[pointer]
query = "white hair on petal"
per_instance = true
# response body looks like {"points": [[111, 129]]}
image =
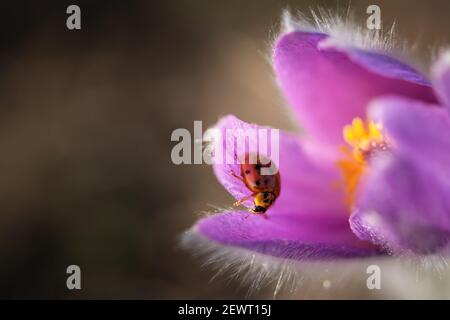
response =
{"points": [[343, 29], [440, 56], [257, 271], [346, 31]]}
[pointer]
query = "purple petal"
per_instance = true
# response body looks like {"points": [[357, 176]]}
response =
{"points": [[441, 78], [419, 131], [328, 87], [286, 236], [405, 200], [386, 66], [308, 176], [403, 209]]}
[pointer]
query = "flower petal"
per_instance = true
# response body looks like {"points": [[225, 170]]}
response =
{"points": [[286, 236], [441, 78], [419, 131], [386, 66], [308, 176], [405, 199], [328, 87], [403, 209]]}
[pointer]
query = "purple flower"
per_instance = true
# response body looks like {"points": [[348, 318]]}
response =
{"points": [[370, 175]]}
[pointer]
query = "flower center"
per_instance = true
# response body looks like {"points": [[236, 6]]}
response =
{"points": [[364, 140]]}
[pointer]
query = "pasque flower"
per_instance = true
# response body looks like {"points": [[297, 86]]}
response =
{"points": [[371, 173]]}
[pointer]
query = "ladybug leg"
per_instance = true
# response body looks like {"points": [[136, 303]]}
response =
{"points": [[265, 216], [239, 202], [236, 176]]}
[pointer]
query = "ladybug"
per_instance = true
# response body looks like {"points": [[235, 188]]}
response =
{"points": [[265, 188]]}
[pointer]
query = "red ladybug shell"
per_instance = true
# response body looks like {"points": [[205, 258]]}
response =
{"points": [[251, 174]]}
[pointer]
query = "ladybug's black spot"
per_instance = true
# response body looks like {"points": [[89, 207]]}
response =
{"points": [[247, 171], [266, 194], [258, 182], [266, 201], [259, 209]]}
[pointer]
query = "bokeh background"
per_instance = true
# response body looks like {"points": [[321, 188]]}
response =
{"points": [[85, 122]]}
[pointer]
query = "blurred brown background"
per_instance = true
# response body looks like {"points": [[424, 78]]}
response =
{"points": [[85, 124]]}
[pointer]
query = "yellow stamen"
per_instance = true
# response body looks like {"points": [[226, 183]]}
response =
{"points": [[363, 138]]}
